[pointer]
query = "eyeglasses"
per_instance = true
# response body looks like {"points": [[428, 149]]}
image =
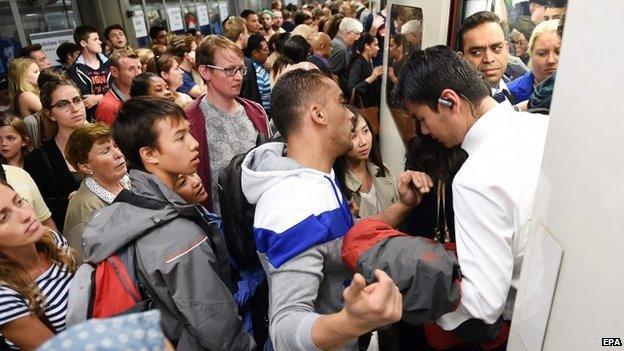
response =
{"points": [[230, 71], [64, 104]]}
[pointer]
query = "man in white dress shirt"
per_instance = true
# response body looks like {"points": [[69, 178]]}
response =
{"points": [[493, 191]]}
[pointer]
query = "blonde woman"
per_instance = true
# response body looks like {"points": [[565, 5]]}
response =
{"points": [[23, 75], [544, 47], [36, 266]]}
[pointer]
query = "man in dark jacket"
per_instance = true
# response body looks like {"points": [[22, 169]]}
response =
{"points": [[184, 268], [223, 123], [90, 71]]}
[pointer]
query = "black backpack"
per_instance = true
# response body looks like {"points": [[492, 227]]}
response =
{"points": [[237, 215]]}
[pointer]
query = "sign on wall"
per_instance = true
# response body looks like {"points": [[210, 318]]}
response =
{"points": [[51, 40], [138, 22], [202, 15], [175, 18]]}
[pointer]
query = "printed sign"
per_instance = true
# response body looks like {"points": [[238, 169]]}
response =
{"points": [[202, 15], [138, 22], [175, 18], [51, 40]]}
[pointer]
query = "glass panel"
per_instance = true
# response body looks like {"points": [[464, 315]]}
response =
{"points": [[46, 16], [406, 36], [9, 39], [155, 13], [190, 15], [215, 18]]}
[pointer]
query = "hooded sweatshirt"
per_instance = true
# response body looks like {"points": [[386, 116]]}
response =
{"points": [[183, 265], [300, 220]]}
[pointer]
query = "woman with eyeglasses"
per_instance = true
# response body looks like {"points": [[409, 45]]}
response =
{"points": [[168, 68], [63, 112]]}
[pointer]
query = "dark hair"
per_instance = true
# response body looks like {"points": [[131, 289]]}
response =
{"points": [[277, 41], [333, 25], [135, 126], [254, 43], [300, 17], [286, 14], [155, 30], [295, 50], [401, 40], [66, 49], [428, 155], [358, 46], [141, 84], [341, 168], [557, 3], [292, 91], [246, 13], [428, 72], [27, 50], [83, 32], [474, 21], [112, 27]]}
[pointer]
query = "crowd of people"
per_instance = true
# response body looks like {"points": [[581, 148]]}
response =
{"points": [[136, 155]]}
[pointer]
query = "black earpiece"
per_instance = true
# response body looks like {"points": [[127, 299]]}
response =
{"points": [[445, 102]]}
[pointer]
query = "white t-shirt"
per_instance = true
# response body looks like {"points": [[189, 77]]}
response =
{"points": [[25, 186]]}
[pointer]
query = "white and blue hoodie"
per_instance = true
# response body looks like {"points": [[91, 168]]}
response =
{"points": [[300, 220]]}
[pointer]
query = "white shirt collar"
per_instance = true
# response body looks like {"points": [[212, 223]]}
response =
{"points": [[484, 126], [501, 86]]}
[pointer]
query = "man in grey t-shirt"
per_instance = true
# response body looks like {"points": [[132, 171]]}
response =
{"points": [[223, 124]]}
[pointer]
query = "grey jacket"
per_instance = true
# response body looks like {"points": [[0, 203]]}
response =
{"points": [[178, 260]]}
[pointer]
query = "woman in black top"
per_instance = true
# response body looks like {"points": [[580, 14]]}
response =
{"points": [[363, 77], [63, 111]]}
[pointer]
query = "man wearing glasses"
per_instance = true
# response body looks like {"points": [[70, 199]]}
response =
{"points": [[223, 123]]}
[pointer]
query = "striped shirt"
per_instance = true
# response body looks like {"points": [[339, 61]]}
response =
{"points": [[53, 284], [264, 85]]}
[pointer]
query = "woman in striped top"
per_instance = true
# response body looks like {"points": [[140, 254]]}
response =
{"points": [[36, 266]]}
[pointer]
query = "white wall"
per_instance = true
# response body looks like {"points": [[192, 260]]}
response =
{"points": [[581, 202]]}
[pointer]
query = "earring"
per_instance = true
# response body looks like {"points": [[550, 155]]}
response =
{"points": [[91, 173]]}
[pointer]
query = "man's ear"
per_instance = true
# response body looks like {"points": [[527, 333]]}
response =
{"points": [[83, 44], [114, 71], [149, 155], [317, 115], [204, 73], [451, 96]]}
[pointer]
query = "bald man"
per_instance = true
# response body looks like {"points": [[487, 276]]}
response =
{"points": [[321, 51]]}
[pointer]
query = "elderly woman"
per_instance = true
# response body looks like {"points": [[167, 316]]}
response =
{"points": [[63, 112], [544, 47], [92, 151]]}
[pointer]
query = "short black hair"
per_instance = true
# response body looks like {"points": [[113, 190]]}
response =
{"points": [[27, 50], [112, 27], [246, 13], [155, 30], [557, 3], [65, 49], [300, 17], [292, 91], [135, 126], [297, 48], [474, 21], [82, 33], [428, 72], [254, 43], [141, 83]]}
